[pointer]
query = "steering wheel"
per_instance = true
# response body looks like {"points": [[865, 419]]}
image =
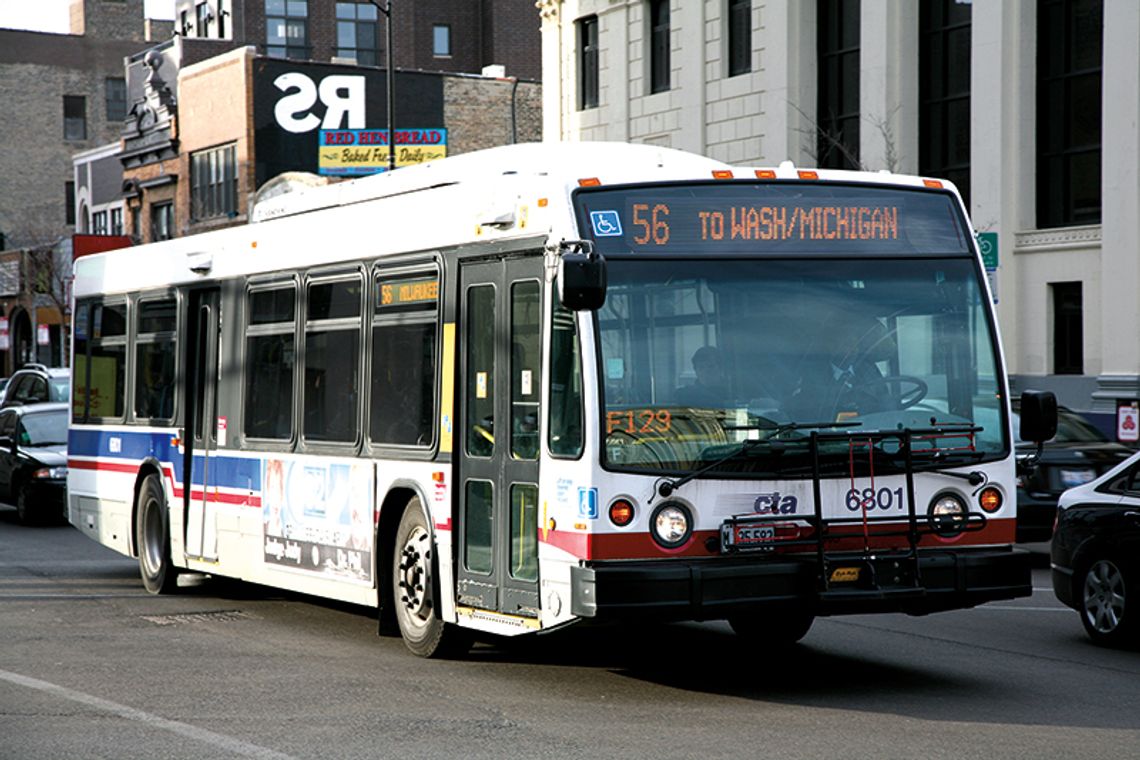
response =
{"points": [[910, 389]]}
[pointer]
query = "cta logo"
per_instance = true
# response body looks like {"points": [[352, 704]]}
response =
{"points": [[775, 503]]}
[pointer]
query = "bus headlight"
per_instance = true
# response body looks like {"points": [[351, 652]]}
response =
{"points": [[947, 514], [671, 525]]}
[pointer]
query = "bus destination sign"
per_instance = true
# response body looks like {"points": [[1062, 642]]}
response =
{"points": [[755, 218]]}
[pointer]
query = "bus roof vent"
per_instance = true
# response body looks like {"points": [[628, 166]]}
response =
{"points": [[286, 183]]}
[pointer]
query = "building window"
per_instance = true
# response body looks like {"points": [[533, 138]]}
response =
{"points": [[287, 28], [202, 20], [837, 120], [944, 93], [74, 117], [356, 32], [99, 223], [658, 45], [116, 99], [588, 62], [213, 183], [69, 202], [441, 41], [1069, 60], [116, 221], [1068, 335], [222, 13], [739, 37], [184, 23], [161, 221]]}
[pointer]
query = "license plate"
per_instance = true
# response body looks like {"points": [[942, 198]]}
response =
{"points": [[751, 536], [1070, 478]]}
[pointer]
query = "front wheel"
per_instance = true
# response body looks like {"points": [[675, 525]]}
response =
{"points": [[415, 591], [1107, 595], [775, 628], [152, 526]]}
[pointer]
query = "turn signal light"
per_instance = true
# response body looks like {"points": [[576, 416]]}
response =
{"points": [[621, 513], [990, 499]]}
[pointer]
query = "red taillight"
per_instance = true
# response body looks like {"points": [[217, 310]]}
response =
{"points": [[621, 512], [990, 500]]}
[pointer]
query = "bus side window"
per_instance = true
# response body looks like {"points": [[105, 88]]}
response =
{"points": [[269, 361], [565, 420]]}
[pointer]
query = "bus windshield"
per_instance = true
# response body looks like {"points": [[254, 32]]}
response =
{"points": [[699, 356]]}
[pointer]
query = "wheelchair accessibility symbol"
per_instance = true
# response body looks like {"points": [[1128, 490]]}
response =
{"points": [[606, 223]]}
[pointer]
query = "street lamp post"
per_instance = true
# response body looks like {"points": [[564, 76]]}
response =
{"points": [[386, 9]]}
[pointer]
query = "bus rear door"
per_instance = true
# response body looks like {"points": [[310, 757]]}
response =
{"points": [[200, 437], [500, 356]]}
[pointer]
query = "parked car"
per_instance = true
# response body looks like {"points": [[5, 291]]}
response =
{"points": [[1096, 554], [33, 460], [1077, 454], [35, 383], [3, 386]]}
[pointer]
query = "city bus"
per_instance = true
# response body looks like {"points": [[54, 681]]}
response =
{"points": [[547, 384]]}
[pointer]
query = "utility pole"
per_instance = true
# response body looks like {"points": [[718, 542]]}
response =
{"points": [[386, 9]]}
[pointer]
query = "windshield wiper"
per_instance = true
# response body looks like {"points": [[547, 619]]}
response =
{"points": [[668, 487]]}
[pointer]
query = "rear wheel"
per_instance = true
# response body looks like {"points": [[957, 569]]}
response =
{"points": [[416, 591], [26, 513], [776, 628], [159, 575], [1107, 596]]}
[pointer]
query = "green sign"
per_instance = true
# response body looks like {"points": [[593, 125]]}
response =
{"points": [[988, 244]]}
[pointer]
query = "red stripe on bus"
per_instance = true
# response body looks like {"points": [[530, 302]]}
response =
{"points": [[850, 537], [175, 488]]}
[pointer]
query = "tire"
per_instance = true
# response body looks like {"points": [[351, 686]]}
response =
{"points": [[415, 591], [1106, 593], [152, 527], [25, 512], [774, 627]]}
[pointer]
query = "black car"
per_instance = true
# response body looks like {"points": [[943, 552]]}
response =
{"points": [[33, 460], [1077, 454], [1095, 554]]}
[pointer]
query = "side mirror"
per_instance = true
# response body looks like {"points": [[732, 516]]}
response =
{"points": [[581, 276], [1038, 416]]}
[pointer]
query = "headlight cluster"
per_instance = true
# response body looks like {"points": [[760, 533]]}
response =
{"points": [[50, 473]]}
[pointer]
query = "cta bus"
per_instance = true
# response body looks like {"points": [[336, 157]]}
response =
{"points": [[512, 390]]}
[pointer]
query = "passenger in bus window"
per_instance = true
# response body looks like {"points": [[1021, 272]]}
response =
{"points": [[708, 389]]}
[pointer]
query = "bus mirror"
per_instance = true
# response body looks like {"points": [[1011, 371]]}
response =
{"points": [[1038, 416], [581, 276]]}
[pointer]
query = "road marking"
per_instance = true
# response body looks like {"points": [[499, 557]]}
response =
{"points": [[227, 743]]}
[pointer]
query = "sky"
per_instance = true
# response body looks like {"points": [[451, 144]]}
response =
{"points": [[52, 15]]}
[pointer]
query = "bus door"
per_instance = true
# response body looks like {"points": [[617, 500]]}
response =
{"points": [[500, 360], [200, 436]]}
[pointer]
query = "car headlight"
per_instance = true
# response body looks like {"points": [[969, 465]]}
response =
{"points": [[947, 514], [50, 473], [671, 525]]}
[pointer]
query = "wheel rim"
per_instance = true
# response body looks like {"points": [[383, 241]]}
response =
{"points": [[414, 573], [152, 538], [1104, 596]]}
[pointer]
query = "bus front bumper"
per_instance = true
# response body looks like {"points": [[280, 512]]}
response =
{"points": [[716, 588]]}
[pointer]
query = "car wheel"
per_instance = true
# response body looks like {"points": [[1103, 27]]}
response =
{"points": [[415, 591], [25, 511], [1105, 609], [159, 575], [775, 628]]}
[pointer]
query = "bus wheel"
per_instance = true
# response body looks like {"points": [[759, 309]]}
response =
{"points": [[415, 590], [778, 627], [152, 526]]}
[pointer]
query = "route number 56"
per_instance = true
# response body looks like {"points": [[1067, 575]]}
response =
{"points": [[655, 227]]}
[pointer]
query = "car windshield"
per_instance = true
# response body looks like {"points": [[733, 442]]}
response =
{"points": [[44, 428], [1071, 428], [698, 357], [60, 388]]}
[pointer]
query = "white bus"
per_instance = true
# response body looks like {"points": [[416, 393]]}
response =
{"points": [[549, 383]]}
